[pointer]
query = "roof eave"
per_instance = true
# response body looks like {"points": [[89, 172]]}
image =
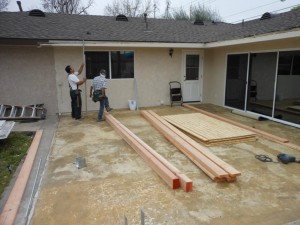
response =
{"points": [[64, 43], [254, 39]]}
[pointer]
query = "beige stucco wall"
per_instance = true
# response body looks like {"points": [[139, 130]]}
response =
{"points": [[214, 76], [154, 68], [28, 77], [32, 75]]}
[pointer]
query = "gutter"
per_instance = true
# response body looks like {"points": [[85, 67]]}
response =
{"points": [[57, 43], [253, 39]]}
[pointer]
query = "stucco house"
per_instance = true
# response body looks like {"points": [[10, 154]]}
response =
{"points": [[253, 66]]}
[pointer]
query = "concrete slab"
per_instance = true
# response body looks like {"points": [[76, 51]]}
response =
{"points": [[117, 182]]}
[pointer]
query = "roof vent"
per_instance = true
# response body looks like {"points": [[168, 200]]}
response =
{"points": [[265, 16], [121, 18], [198, 22], [37, 12]]}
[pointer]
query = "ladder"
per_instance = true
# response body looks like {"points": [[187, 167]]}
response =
{"points": [[5, 128], [25, 112]]}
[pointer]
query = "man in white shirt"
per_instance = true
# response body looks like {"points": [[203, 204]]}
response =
{"points": [[74, 82], [99, 86]]}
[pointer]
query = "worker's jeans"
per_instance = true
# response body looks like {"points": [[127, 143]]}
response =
{"points": [[104, 103], [76, 104]]}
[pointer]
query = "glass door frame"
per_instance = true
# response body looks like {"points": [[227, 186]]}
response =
{"points": [[272, 117]]}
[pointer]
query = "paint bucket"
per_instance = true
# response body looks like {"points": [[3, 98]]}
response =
{"points": [[132, 104]]}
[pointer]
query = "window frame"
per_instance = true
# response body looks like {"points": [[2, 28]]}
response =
{"points": [[108, 68], [290, 63]]}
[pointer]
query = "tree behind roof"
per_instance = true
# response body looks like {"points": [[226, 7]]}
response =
{"points": [[66, 6], [196, 12], [129, 8], [3, 5]]}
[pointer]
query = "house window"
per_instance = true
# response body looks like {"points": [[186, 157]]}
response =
{"points": [[118, 64], [95, 61], [122, 64], [192, 67], [289, 63]]}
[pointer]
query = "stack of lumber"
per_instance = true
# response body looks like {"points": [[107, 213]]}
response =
{"points": [[258, 132], [214, 167], [171, 175], [208, 130]]}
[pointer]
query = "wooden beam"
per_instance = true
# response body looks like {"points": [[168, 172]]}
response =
{"points": [[203, 162], [170, 178], [185, 183], [205, 151]]}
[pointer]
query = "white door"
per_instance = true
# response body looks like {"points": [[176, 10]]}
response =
{"points": [[192, 76]]}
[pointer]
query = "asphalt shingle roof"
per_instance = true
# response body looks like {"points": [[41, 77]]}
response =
{"points": [[19, 25]]}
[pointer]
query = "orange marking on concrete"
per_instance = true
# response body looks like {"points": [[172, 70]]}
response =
{"points": [[11, 207]]}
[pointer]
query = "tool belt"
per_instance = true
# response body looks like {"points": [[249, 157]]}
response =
{"points": [[96, 95], [76, 91]]}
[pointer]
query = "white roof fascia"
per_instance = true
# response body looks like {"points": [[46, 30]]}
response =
{"points": [[58, 43], [253, 39]]}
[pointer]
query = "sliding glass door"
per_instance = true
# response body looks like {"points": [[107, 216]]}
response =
{"points": [[265, 83], [261, 83], [236, 80], [287, 103]]}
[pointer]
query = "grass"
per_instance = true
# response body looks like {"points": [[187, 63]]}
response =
{"points": [[12, 151]]}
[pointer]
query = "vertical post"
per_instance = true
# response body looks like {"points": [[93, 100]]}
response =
{"points": [[85, 94], [136, 93], [142, 217], [125, 220]]}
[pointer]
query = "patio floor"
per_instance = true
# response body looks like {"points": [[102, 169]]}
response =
{"points": [[117, 182]]}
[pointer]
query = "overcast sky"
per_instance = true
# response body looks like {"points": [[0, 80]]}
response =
{"points": [[230, 10]]}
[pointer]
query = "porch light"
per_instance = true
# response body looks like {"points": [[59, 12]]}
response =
{"points": [[171, 52]]}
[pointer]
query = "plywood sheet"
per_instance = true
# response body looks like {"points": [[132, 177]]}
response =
{"points": [[210, 130]]}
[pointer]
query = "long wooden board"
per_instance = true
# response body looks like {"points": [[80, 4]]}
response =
{"points": [[209, 130], [181, 141], [204, 150], [172, 176]]}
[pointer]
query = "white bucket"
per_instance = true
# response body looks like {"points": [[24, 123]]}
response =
{"points": [[132, 104]]}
